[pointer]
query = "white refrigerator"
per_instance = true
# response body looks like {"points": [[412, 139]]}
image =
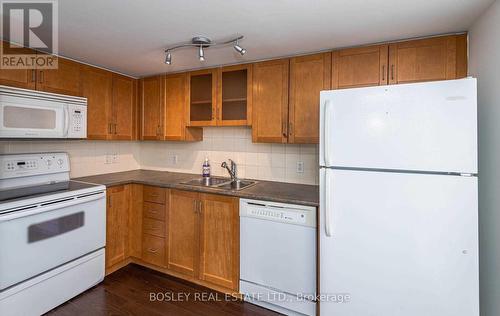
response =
{"points": [[398, 200]]}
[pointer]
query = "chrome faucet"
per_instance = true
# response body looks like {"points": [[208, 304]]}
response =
{"points": [[232, 171]]}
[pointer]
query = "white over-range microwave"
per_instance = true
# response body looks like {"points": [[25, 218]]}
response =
{"points": [[34, 114]]}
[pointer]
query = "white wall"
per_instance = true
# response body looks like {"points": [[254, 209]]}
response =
{"points": [[485, 65], [275, 162]]}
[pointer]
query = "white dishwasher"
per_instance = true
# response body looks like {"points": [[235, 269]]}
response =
{"points": [[278, 256]]}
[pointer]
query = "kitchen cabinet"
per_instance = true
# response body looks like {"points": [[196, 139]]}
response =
{"points": [[156, 201], [183, 233], [308, 76], [64, 80], [135, 220], [438, 58], [97, 87], [234, 95], [219, 240], [124, 108], [118, 203], [152, 100], [176, 111], [111, 104], [21, 78], [270, 101], [202, 96], [360, 67]]}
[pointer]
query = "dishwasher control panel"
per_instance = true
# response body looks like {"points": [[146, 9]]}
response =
{"points": [[279, 212]]}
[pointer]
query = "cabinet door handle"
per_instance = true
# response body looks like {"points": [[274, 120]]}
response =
{"points": [[392, 72], [283, 129], [152, 250], [114, 129], [33, 75], [383, 73], [195, 206], [200, 207], [41, 76], [290, 128]]}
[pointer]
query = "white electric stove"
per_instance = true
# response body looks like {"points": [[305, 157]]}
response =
{"points": [[52, 233]]}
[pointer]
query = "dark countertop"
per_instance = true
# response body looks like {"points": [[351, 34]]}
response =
{"points": [[264, 190]]}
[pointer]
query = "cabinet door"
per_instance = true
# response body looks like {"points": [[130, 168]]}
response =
{"points": [[183, 233], [439, 58], [202, 97], [117, 225], [219, 241], [270, 101], [22, 78], [135, 220], [64, 80], [152, 100], [308, 76], [176, 116], [234, 95], [97, 88], [124, 107], [360, 67]]}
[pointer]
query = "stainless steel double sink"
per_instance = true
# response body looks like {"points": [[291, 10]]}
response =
{"points": [[220, 183]]}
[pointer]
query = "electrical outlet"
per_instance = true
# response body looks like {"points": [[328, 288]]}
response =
{"points": [[115, 158], [173, 159], [109, 159], [300, 167]]}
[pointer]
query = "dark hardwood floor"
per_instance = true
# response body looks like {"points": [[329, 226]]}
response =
{"points": [[127, 292]]}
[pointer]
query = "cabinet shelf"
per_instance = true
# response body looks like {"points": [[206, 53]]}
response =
{"points": [[235, 100], [202, 102]]}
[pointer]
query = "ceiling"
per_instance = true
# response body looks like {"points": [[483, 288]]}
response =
{"points": [[129, 36]]}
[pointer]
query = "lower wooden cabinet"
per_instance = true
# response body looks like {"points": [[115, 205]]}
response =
{"points": [[190, 235], [219, 240], [183, 232], [118, 203]]}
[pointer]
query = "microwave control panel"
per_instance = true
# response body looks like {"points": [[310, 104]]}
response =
{"points": [[78, 121]]}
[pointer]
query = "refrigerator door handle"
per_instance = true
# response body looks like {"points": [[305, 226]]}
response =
{"points": [[328, 206], [326, 131]]}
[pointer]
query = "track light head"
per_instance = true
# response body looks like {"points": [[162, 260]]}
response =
{"points": [[201, 54], [240, 49], [168, 58]]}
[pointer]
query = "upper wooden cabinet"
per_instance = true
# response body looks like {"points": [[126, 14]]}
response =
{"points": [[360, 67], [64, 80], [308, 76], [176, 110], [124, 105], [202, 96], [111, 104], [234, 95], [270, 101], [118, 203], [152, 97], [430, 59], [22, 78], [97, 87], [219, 240]]}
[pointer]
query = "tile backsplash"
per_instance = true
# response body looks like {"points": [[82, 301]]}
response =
{"points": [[277, 162]]}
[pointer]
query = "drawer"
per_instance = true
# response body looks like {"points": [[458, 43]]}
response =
{"points": [[153, 250], [154, 211], [153, 227], [154, 194]]}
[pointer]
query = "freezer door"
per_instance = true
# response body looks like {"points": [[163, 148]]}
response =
{"points": [[398, 244], [424, 126]]}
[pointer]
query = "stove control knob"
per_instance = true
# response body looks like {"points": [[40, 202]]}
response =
{"points": [[49, 163], [60, 162]]}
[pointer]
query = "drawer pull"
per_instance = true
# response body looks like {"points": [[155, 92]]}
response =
{"points": [[154, 194], [152, 250]]}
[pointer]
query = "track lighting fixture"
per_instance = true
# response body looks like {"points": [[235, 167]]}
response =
{"points": [[201, 55], [168, 58], [202, 43]]}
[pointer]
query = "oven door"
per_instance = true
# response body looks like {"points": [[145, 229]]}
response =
{"points": [[23, 117], [41, 238]]}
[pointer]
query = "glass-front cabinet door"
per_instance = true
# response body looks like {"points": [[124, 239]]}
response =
{"points": [[203, 97], [234, 99]]}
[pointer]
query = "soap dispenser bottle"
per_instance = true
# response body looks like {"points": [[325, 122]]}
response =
{"points": [[206, 168]]}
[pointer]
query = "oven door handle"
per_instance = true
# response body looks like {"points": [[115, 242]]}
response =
{"points": [[54, 205]]}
